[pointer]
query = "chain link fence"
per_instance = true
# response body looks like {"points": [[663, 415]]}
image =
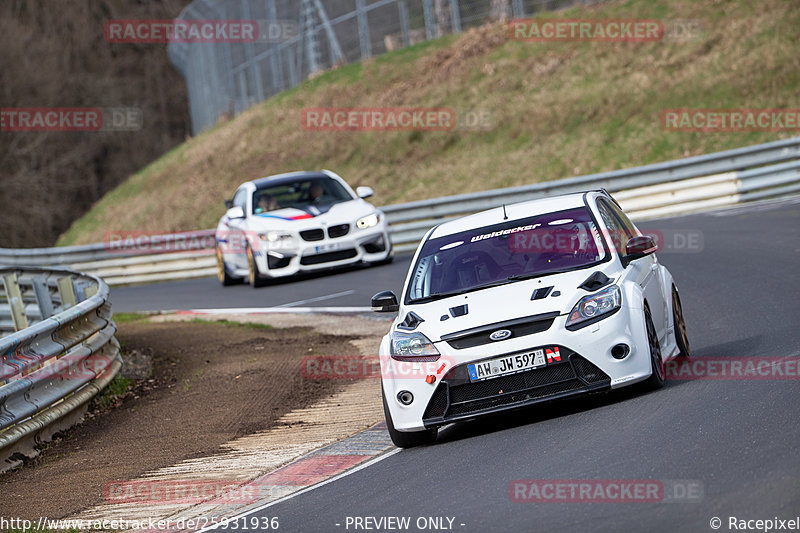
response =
{"points": [[298, 38]]}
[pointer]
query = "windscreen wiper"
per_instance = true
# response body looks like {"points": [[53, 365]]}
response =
{"points": [[521, 277], [440, 295]]}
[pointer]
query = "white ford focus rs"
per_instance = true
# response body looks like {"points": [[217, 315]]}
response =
{"points": [[523, 304], [298, 222]]}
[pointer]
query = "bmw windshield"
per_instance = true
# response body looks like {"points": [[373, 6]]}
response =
{"points": [[313, 195], [504, 253]]}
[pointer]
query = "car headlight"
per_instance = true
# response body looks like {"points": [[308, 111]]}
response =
{"points": [[368, 221], [594, 307], [277, 237], [411, 345]]}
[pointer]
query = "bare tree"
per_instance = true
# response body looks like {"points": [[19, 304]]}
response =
{"points": [[54, 55]]}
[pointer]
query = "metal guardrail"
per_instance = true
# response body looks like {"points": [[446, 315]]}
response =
{"points": [[57, 352], [661, 189]]}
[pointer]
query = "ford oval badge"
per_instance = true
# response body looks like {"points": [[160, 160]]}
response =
{"points": [[500, 334]]}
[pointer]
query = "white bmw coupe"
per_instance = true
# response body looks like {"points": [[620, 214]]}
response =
{"points": [[523, 304], [298, 222]]}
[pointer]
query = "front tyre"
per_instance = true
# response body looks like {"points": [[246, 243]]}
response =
{"points": [[657, 378], [253, 274], [222, 272], [679, 325], [403, 439]]}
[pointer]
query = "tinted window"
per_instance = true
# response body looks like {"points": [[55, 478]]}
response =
{"points": [[534, 246], [620, 228], [615, 230]]}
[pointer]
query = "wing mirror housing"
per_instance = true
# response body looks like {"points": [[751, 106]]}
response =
{"points": [[235, 212], [228, 204], [638, 247], [364, 192], [385, 302]]}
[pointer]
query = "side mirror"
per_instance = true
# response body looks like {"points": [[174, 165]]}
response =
{"points": [[235, 212], [385, 302], [364, 192], [638, 247], [228, 204]]}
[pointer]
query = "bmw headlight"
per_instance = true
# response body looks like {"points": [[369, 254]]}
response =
{"points": [[276, 236], [277, 239], [411, 345], [594, 307], [368, 221]]}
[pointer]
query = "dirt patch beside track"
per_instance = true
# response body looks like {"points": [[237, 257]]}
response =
{"points": [[209, 384]]}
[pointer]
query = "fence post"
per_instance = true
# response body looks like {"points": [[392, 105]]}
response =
{"points": [[243, 89], [403, 9], [430, 25], [274, 58], [294, 79], [333, 42], [310, 37], [363, 30], [251, 56], [455, 16], [518, 8], [15, 302]]}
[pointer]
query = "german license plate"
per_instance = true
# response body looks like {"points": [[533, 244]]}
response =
{"points": [[329, 247], [508, 364]]}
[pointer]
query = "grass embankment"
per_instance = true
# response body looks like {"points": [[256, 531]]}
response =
{"points": [[558, 110]]}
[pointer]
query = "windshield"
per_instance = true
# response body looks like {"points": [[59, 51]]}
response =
{"points": [[505, 253], [313, 195]]}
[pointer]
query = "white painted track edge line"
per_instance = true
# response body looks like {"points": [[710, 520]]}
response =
{"points": [[259, 310], [318, 298]]}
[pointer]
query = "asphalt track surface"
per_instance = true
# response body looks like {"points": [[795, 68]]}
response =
{"points": [[738, 440]]}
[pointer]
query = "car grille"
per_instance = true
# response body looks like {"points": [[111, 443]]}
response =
{"points": [[456, 397], [329, 257], [312, 234], [340, 230], [470, 338]]}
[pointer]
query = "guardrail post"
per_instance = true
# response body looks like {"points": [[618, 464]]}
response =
{"points": [[79, 288], [15, 302], [67, 292], [43, 299]]}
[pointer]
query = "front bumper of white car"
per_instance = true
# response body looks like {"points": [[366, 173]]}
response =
{"points": [[582, 364], [320, 248]]}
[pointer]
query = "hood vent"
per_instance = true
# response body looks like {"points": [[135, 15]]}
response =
{"points": [[459, 310], [541, 292], [596, 281], [411, 321]]}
